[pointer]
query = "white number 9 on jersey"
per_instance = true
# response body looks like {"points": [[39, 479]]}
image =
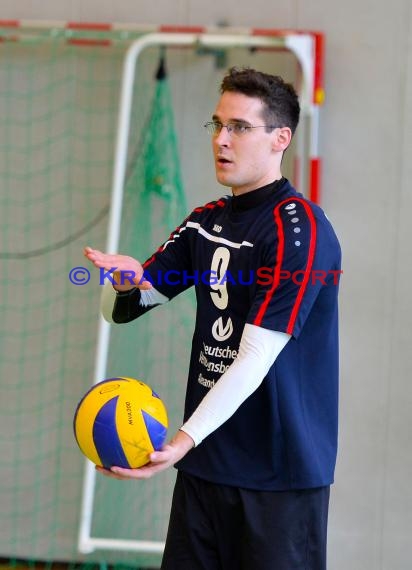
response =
{"points": [[219, 265]]}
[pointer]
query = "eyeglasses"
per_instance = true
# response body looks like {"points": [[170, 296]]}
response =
{"points": [[238, 129]]}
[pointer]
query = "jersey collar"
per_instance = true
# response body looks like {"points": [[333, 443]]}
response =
{"points": [[256, 197]]}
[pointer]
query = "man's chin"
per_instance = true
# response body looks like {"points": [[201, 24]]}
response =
{"points": [[223, 180]]}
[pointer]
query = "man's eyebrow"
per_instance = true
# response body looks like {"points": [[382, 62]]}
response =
{"points": [[216, 118]]}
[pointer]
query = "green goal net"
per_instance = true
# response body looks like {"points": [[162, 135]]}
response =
{"points": [[58, 113]]}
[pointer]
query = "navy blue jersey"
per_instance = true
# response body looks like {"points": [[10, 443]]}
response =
{"points": [[269, 258]]}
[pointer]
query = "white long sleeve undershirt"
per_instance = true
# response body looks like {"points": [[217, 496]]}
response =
{"points": [[258, 350]]}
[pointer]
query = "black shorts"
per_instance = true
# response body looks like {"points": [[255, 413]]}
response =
{"points": [[217, 527]]}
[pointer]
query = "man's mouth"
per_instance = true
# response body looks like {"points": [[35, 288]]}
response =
{"points": [[223, 160]]}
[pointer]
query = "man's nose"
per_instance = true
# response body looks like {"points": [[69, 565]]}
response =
{"points": [[223, 138]]}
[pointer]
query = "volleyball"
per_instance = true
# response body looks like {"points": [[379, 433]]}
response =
{"points": [[119, 422]]}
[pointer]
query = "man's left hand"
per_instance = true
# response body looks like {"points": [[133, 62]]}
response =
{"points": [[159, 460]]}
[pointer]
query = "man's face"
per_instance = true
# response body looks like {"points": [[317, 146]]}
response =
{"points": [[243, 161]]}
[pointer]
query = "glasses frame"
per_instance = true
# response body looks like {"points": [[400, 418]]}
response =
{"points": [[214, 128]]}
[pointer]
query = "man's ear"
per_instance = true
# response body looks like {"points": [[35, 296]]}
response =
{"points": [[282, 138]]}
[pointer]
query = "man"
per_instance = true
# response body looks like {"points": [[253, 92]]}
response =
{"points": [[256, 453]]}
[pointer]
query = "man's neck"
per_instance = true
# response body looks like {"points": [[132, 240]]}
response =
{"points": [[239, 190]]}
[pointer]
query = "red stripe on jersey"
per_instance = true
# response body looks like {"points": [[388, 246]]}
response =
{"points": [[210, 206], [148, 262], [311, 256], [279, 261]]}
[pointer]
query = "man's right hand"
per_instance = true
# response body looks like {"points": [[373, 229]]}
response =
{"points": [[129, 272]]}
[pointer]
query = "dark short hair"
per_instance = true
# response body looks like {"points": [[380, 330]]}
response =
{"points": [[280, 99]]}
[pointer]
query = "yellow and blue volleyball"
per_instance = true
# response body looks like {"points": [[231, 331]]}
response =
{"points": [[119, 422]]}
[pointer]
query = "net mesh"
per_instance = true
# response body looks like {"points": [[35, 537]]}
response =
{"points": [[58, 116]]}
